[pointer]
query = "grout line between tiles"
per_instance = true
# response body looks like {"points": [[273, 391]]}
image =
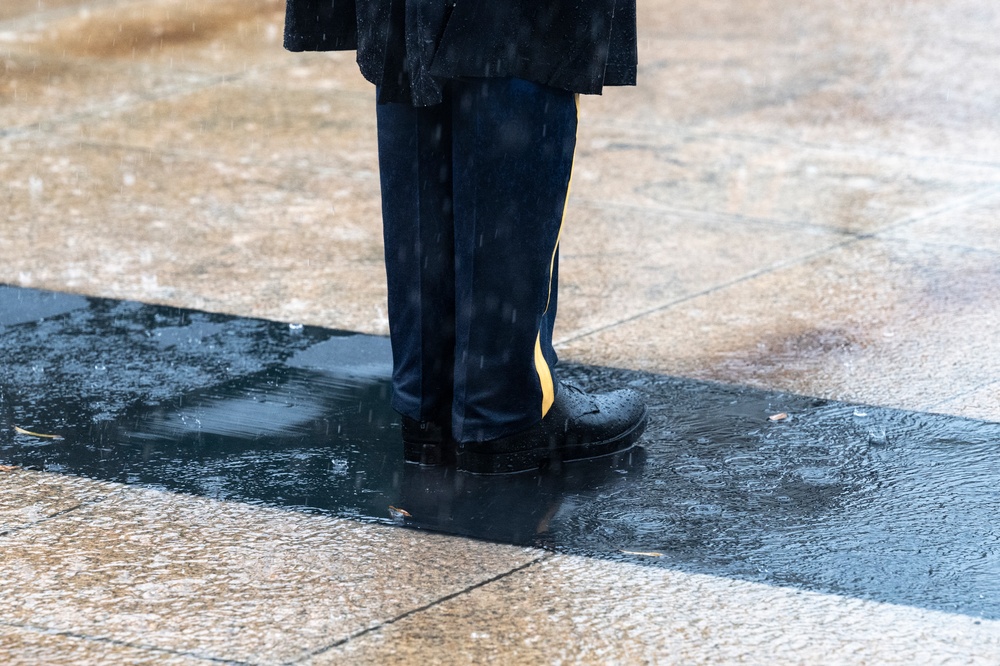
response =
{"points": [[704, 292], [14, 23], [948, 207], [425, 607], [937, 245], [851, 149], [141, 98], [119, 643], [166, 92], [58, 514], [712, 216], [347, 172], [695, 131], [951, 206], [958, 396]]}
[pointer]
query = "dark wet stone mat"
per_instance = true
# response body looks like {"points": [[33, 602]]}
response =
{"points": [[869, 502]]}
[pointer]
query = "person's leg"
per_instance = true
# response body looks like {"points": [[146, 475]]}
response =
{"points": [[474, 193], [415, 154], [513, 147]]}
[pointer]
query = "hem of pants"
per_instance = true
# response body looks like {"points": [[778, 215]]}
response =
{"points": [[472, 434], [408, 408]]}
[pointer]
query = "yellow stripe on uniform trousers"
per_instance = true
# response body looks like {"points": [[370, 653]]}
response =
{"points": [[541, 366]]}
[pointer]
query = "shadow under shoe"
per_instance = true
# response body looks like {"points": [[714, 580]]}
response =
{"points": [[524, 509], [578, 426]]}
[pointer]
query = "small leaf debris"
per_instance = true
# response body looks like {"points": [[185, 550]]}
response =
{"points": [[8, 468], [640, 553], [777, 417], [398, 514], [22, 431]]}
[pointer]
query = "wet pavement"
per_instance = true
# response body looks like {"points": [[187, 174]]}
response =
{"points": [[875, 503], [795, 212]]}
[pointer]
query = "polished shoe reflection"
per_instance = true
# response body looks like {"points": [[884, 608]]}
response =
{"points": [[517, 508], [863, 501]]}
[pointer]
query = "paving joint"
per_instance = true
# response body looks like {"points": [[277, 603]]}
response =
{"points": [[124, 644], [935, 245], [848, 149], [853, 238], [141, 98], [428, 606], [963, 394], [715, 216], [672, 129], [58, 514], [334, 168], [951, 206], [354, 174], [706, 292]]}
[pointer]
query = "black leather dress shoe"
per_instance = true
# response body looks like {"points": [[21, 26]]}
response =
{"points": [[427, 443], [578, 426]]}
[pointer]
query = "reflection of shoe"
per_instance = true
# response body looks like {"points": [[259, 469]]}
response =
{"points": [[578, 426], [517, 508], [427, 443]]}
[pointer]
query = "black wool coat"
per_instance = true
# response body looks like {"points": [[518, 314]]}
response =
{"points": [[410, 47]]}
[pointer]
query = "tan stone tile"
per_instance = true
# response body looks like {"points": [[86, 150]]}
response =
{"points": [[321, 72], [858, 117], [889, 323], [574, 610], [28, 647], [834, 189], [916, 78], [42, 89], [111, 56], [686, 82], [29, 497], [972, 227], [220, 36], [980, 403], [249, 238], [117, 56], [229, 581], [250, 124], [705, 61], [15, 8], [770, 20], [617, 262]]}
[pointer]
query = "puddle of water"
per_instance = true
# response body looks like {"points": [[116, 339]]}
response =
{"points": [[863, 501], [26, 305]]}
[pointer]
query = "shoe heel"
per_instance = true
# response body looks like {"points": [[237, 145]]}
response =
{"points": [[423, 453]]}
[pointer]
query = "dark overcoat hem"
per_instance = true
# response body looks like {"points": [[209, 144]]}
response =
{"points": [[592, 47]]}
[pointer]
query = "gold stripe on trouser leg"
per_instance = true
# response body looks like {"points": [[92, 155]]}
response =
{"points": [[541, 366], [544, 376]]}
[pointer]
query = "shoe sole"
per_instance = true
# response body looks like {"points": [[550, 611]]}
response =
{"points": [[537, 459]]}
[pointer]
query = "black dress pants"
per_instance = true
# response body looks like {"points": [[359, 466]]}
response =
{"points": [[473, 198]]}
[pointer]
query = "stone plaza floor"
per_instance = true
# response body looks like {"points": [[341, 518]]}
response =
{"points": [[795, 211]]}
